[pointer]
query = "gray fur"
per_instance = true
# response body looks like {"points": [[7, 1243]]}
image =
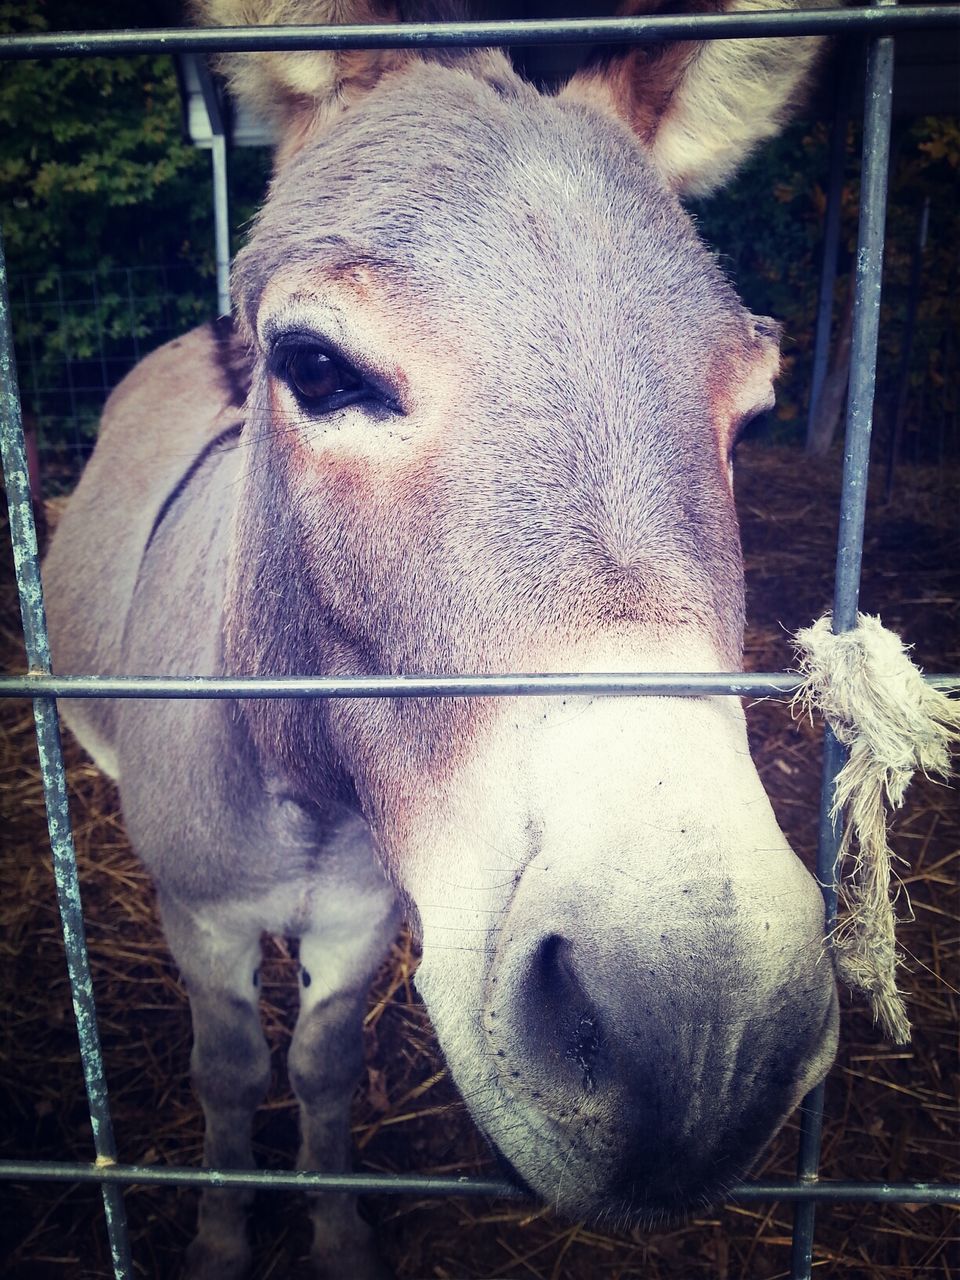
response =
{"points": [[623, 964]]}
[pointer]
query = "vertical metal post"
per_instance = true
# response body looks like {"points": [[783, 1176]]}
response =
{"points": [[221, 220], [856, 459], [27, 564], [831, 241], [221, 200]]}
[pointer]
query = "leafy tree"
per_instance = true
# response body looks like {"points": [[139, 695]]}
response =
{"points": [[92, 158]]}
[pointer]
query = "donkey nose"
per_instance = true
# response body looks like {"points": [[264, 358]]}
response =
{"points": [[663, 1052]]}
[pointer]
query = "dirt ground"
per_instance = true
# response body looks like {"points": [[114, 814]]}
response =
{"points": [[891, 1112]]}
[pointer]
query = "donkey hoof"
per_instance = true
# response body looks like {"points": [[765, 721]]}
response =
{"points": [[220, 1259]]}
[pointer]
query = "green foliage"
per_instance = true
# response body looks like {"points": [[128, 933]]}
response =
{"points": [[92, 158], [97, 178]]}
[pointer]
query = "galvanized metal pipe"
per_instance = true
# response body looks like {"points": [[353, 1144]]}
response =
{"points": [[221, 220], [422, 1184], [866, 331], [419, 686], [428, 35], [758, 684], [853, 501], [221, 198], [27, 564]]}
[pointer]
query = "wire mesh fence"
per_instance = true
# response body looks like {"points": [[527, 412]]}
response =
{"points": [[95, 369], [78, 334]]}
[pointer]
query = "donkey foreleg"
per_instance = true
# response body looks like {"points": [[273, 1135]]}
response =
{"points": [[230, 1066], [325, 1061]]}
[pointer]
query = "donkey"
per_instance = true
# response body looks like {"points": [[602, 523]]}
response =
{"points": [[478, 415]]}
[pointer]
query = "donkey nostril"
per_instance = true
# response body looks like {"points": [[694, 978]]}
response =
{"points": [[548, 963], [567, 1020], [555, 974]]}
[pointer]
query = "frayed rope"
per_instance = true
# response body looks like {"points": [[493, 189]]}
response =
{"points": [[892, 723]]}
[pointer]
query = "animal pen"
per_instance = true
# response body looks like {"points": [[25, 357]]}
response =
{"points": [[879, 25]]}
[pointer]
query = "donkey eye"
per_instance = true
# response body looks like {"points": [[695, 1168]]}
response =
{"points": [[320, 382]]}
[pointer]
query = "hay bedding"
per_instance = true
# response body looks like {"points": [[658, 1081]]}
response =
{"points": [[891, 1112]]}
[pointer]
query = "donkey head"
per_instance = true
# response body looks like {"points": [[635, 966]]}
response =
{"points": [[498, 383]]}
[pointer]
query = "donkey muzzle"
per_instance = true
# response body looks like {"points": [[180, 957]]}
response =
{"points": [[652, 1046]]}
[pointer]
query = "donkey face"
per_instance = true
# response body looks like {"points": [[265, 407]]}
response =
{"points": [[498, 383]]}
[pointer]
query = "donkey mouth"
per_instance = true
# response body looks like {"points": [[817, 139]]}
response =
{"points": [[636, 1199], [669, 1199]]}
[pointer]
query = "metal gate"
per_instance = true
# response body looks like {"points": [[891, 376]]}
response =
{"points": [[879, 24]]}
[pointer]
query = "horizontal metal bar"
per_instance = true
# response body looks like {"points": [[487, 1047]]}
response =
{"points": [[758, 684], [425, 35], [427, 686], [423, 1185]]}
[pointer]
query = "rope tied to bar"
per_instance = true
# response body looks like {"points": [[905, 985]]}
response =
{"points": [[892, 723]]}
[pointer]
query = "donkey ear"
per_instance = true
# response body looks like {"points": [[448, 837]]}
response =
{"points": [[298, 91], [301, 92], [701, 107]]}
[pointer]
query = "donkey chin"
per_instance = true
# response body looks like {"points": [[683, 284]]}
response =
{"points": [[634, 1007]]}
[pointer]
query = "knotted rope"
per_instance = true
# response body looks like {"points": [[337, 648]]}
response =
{"points": [[892, 723]]}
